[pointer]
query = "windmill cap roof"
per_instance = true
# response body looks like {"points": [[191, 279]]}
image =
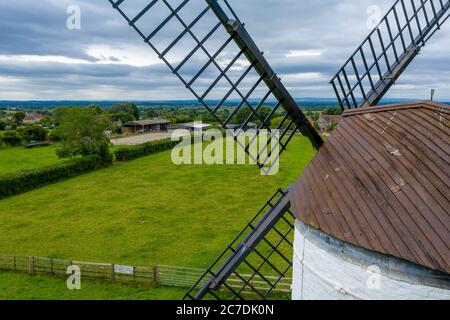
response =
{"points": [[382, 182]]}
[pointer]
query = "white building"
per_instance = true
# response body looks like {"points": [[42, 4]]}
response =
{"points": [[196, 127]]}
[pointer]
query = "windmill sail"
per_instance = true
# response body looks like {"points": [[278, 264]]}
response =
{"points": [[388, 50], [220, 64], [257, 263], [220, 280], [207, 48]]}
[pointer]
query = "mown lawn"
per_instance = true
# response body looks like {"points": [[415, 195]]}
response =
{"points": [[24, 287], [14, 159], [144, 212]]}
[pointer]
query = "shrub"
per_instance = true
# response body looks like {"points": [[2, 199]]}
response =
{"points": [[142, 150], [34, 133], [11, 138], [82, 133], [16, 183], [18, 117], [53, 136], [2, 125]]}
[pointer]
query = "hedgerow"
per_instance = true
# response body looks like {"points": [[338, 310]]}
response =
{"points": [[20, 182], [126, 153]]}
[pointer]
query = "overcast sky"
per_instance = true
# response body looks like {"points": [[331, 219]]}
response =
{"points": [[304, 41]]}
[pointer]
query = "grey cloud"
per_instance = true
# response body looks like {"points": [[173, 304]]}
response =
{"points": [[334, 28]]}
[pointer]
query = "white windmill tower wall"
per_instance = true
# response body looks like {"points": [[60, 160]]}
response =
{"points": [[325, 268]]}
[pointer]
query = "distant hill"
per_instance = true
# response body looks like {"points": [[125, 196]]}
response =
{"points": [[307, 103]]}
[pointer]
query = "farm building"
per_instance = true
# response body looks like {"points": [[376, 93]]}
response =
{"points": [[157, 125], [32, 118], [375, 201]]}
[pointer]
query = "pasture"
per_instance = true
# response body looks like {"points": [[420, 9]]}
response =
{"points": [[144, 212], [14, 159]]}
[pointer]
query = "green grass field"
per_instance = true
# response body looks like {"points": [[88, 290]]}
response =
{"points": [[14, 159], [144, 212], [24, 287]]}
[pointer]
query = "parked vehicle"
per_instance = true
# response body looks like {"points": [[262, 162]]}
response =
{"points": [[35, 144]]}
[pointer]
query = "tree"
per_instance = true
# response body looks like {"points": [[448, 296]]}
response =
{"points": [[183, 118], [18, 117], [59, 112], [277, 121], [264, 112], [151, 113], [82, 132], [316, 116], [46, 122], [223, 114], [34, 133], [243, 114], [130, 108], [11, 124], [2, 125], [333, 111], [207, 117], [53, 136], [11, 138], [123, 117], [95, 109], [317, 127], [332, 126]]}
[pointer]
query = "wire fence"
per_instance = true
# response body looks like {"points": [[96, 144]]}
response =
{"points": [[159, 275]]}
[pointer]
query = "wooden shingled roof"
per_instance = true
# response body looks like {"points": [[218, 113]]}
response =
{"points": [[382, 182]]}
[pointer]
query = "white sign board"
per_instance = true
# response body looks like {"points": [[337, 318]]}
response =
{"points": [[123, 269]]}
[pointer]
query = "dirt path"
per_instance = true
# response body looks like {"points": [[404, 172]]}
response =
{"points": [[141, 138]]}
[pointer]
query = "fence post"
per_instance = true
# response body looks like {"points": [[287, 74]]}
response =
{"points": [[155, 276], [112, 272], [15, 263], [31, 265], [51, 266]]}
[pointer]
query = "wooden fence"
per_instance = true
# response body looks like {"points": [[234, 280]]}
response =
{"points": [[150, 276]]}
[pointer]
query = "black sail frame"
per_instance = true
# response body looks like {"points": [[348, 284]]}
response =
{"points": [[257, 263], [388, 50], [382, 65], [256, 86]]}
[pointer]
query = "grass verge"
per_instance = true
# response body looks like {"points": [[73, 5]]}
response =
{"points": [[14, 286]]}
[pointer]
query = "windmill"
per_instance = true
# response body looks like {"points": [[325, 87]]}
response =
{"points": [[221, 63]]}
